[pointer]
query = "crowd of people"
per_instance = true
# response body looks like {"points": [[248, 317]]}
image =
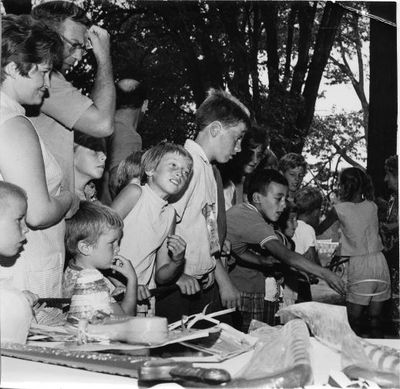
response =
{"points": [[221, 217]]}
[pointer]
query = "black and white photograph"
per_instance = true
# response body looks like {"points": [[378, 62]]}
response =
{"points": [[199, 194]]}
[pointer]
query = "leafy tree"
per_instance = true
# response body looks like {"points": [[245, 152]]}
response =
{"points": [[349, 49], [191, 46], [334, 139], [342, 137]]}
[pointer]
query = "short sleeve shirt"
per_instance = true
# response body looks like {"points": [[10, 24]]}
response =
{"points": [[59, 113], [304, 237], [247, 228], [71, 275], [124, 140], [192, 224]]}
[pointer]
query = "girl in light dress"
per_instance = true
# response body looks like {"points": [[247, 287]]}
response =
{"points": [[149, 239], [368, 281]]}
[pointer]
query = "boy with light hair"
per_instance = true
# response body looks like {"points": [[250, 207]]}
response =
{"points": [[222, 121]]}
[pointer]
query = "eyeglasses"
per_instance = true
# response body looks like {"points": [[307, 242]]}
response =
{"points": [[76, 46]]}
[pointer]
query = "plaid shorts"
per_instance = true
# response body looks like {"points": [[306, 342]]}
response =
{"points": [[253, 306]]}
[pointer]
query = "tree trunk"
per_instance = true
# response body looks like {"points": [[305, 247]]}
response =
{"points": [[382, 126], [306, 14], [326, 35], [269, 14], [239, 85]]}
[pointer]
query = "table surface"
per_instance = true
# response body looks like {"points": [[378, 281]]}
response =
{"points": [[21, 374]]}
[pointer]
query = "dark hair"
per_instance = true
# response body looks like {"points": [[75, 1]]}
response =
{"points": [[353, 180], [259, 180], [270, 160], [284, 217], [221, 106], [291, 161], [391, 165], [233, 170], [90, 142], [27, 43], [53, 13], [126, 170], [89, 222], [131, 98], [307, 200]]}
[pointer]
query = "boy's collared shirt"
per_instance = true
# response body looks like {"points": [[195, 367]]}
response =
{"points": [[247, 228], [197, 215]]}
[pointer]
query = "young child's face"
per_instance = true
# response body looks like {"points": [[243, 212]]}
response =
{"points": [[273, 203], [88, 162], [229, 141], [13, 227], [256, 156], [391, 180], [170, 176], [291, 224], [102, 253], [294, 177]]}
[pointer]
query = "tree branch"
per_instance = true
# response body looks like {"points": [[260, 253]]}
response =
{"points": [[344, 155]]}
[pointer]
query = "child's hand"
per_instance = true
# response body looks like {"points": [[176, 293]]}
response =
{"points": [[226, 248], [143, 293], [334, 281], [230, 296], [176, 247], [31, 297], [124, 267], [188, 284]]}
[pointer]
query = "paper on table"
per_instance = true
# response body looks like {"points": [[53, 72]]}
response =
{"points": [[57, 334]]}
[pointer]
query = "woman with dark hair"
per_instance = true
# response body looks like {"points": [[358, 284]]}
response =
{"points": [[234, 172], [28, 53]]}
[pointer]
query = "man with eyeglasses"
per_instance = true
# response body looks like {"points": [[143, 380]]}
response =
{"points": [[66, 108]]}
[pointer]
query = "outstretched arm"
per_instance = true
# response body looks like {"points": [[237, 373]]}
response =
{"points": [[291, 258], [230, 295]]}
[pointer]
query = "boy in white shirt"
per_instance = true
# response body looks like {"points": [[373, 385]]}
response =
{"points": [[222, 120], [308, 203]]}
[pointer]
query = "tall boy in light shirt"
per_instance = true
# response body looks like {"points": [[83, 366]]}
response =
{"points": [[222, 121]]}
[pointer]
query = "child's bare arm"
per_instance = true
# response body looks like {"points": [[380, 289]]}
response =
{"points": [[312, 255], [256, 259], [117, 309], [170, 257], [124, 266], [126, 200], [291, 258], [230, 295], [331, 217]]}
